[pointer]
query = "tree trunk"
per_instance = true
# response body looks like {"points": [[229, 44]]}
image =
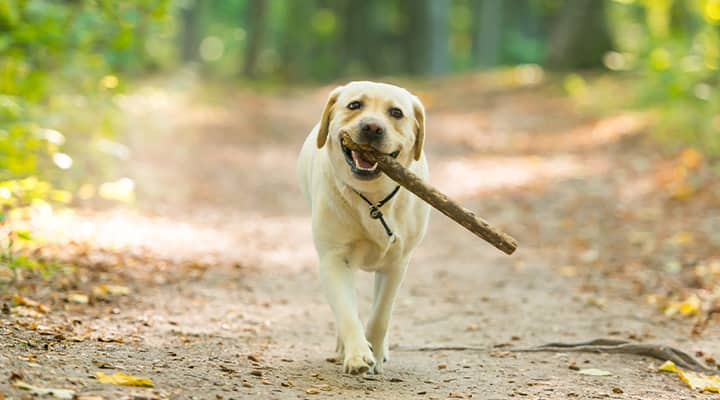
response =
{"points": [[427, 36], [580, 37], [295, 48], [189, 32], [256, 11], [416, 36], [486, 32], [358, 36], [439, 37]]}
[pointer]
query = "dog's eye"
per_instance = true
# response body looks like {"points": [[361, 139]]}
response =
{"points": [[354, 105], [396, 112]]}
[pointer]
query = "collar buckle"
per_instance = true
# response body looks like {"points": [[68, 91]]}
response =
{"points": [[375, 212]]}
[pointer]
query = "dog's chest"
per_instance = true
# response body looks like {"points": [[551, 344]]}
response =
{"points": [[369, 255]]}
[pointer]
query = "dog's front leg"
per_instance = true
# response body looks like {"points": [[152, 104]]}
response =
{"points": [[386, 287], [338, 283]]}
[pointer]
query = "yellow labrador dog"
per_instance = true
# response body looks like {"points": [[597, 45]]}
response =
{"points": [[360, 217]]}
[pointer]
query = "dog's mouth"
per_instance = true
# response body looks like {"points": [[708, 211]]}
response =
{"points": [[360, 167]]}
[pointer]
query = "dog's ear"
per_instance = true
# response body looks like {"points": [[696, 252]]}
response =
{"points": [[327, 116], [419, 127]]}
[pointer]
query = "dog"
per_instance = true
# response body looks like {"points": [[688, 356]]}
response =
{"points": [[361, 219]]}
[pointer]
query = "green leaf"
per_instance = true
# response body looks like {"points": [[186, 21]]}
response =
{"points": [[23, 235]]}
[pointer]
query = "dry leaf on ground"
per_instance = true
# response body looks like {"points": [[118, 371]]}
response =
{"points": [[694, 380], [112, 290], [56, 393], [121, 378], [24, 301], [78, 298], [594, 372], [690, 306]]}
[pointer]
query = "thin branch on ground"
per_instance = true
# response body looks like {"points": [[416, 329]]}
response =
{"points": [[608, 346], [439, 348]]}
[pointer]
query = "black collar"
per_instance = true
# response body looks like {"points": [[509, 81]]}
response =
{"points": [[375, 212]]}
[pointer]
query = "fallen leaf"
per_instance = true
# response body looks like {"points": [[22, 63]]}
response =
{"points": [[598, 302], [568, 270], [121, 378], [103, 364], [78, 298], [694, 380], [110, 339], [682, 191], [113, 290], [460, 395], [117, 290], [57, 393], [594, 372], [22, 311], [312, 391], [501, 354], [691, 158], [24, 301], [690, 306], [683, 238]]}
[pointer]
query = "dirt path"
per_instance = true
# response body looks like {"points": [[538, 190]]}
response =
{"points": [[237, 311]]}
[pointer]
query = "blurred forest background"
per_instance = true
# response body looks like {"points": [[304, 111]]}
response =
{"points": [[64, 65], [588, 129]]}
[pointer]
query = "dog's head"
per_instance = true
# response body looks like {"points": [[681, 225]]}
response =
{"points": [[387, 117]]}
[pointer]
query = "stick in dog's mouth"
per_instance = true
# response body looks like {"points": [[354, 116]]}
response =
{"points": [[360, 162], [395, 171]]}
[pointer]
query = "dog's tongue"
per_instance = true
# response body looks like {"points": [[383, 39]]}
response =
{"points": [[361, 162]]}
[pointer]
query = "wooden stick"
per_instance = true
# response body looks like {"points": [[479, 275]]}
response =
{"points": [[432, 196], [609, 346], [657, 351]]}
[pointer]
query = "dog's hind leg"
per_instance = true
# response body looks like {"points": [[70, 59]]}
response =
{"points": [[386, 287], [338, 283]]}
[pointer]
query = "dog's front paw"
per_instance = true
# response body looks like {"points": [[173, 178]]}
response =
{"points": [[381, 356], [359, 362], [340, 348]]}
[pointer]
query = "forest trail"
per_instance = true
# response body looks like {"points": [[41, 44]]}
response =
{"points": [[225, 302]]}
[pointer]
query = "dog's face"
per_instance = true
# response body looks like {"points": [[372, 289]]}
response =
{"points": [[387, 117]]}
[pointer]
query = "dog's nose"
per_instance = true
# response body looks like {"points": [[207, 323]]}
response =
{"points": [[371, 128]]}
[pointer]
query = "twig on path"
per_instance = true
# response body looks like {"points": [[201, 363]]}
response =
{"points": [[439, 348], [609, 346]]}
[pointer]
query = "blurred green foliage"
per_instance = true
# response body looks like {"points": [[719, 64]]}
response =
{"points": [[673, 47], [58, 66], [62, 62]]}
